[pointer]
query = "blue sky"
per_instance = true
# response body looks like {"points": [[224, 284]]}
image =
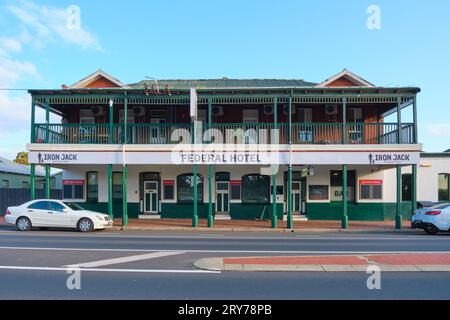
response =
{"points": [[306, 39]]}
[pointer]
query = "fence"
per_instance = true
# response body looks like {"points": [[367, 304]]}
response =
{"points": [[16, 197]]}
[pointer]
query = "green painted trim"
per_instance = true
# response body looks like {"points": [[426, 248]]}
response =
{"points": [[124, 196], [414, 188], [47, 181], [357, 212], [102, 207], [110, 187], [33, 181], [344, 121], [344, 197]]}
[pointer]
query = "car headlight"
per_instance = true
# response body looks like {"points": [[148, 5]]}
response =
{"points": [[100, 218]]}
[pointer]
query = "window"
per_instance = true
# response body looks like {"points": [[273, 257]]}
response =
{"points": [[117, 189], [371, 192], [318, 192], [169, 190], [407, 187], [185, 188], [444, 187], [236, 190], [92, 187], [5, 183], [223, 176], [255, 189], [73, 189], [55, 206], [40, 205], [336, 185]]}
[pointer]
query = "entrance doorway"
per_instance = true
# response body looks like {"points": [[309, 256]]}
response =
{"points": [[223, 197], [296, 198], [151, 197]]}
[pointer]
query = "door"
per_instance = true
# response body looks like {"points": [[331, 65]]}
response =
{"points": [[355, 125], [58, 218], [158, 131], [223, 197], [38, 213], [296, 198], [305, 130], [151, 197], [250, 119]]}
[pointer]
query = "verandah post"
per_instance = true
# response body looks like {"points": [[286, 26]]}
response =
{"points": [[195, 213], [344, 120], [47, 140], [398, 216], [124, 166], [274, 191], [210, 170], [32, 166], [110, 168], [344, 197], [414, 188], [290, 223]]}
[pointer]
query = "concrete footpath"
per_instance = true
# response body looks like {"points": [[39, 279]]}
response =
{"points": [[257, 226], [432, 262]]}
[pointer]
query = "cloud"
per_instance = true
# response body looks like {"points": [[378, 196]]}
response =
{"points": [[439, 129], [43, 25]]}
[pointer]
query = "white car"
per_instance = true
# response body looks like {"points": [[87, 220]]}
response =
{"points": [[58, 214], [432, 220]]}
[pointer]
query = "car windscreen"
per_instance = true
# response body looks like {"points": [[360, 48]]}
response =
{"points": [[73, 206], [441, 206]]}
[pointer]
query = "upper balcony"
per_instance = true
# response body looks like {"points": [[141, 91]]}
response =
{"points": [[239, 133], [306, 115]]}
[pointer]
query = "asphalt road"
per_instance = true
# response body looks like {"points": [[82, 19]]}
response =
{"points": [[158, 265]]}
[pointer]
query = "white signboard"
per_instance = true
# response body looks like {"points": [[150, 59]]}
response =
{"points": [[225, 158]]}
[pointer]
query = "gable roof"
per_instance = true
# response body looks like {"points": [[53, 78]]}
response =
{"points": [[99, 74], [8, 166], [347, 75]]}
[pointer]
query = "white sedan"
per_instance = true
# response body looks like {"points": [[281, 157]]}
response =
{"points": [[58, 214], [432, 220]]}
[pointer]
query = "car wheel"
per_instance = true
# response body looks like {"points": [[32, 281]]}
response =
{"points": [[431, 229], [85, 225], [23, 224]]}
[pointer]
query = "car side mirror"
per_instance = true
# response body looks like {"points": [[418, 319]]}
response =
{"points": [[66, 210]]}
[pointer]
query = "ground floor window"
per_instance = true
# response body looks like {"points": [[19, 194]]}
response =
{"points": [[336, 185], [444, 187], [92, 187], [185, 188], [255, 189], [407, 187], [73, 190], [371, 191], [117, 189]]}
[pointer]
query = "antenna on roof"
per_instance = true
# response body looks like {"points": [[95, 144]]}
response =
{"points": [[156, 81]]}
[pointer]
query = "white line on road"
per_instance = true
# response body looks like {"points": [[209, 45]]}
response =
{"points": [[18, 268], [222, 251], [107, 262]]}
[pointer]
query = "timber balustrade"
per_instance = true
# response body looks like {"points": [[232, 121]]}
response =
{"points": [[248, 133]]}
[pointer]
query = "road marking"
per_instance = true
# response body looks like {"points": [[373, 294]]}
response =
{"points": [[21, 268], [220, 251], [223, 237], [107, 262]]}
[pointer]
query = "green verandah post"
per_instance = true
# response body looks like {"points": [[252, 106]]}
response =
{"points": [[110, 168], [125, 169], [344, 197], [290, 223], [398, 216], [32, 166], [47, 140], [210, 171], [274, 191], [414, 188], [195, 214]]}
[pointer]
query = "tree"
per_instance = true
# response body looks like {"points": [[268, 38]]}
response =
{"points": [[22, 158]]}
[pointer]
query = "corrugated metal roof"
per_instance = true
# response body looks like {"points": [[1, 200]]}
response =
{"points": [[224, 83], [8, 166]]}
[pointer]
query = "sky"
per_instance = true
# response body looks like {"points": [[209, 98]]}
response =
{"points": [[42, 46]]}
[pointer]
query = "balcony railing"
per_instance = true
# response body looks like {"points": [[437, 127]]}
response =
{"points": [[302, 133]]}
